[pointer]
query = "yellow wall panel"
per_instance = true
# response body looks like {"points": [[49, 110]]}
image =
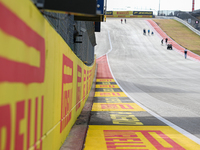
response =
{"points": [[43, 84], [122, 12]]}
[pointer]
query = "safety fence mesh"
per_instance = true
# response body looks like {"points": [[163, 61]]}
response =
{"points": [[79, 35]]}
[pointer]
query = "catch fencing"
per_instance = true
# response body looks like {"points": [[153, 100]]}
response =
{"points": [[79, 35]]}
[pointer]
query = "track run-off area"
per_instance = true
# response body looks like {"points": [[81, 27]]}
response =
{"points": [[146, 97]]}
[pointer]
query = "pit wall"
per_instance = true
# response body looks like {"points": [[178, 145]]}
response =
{"points": [[129, 14], [43, 84]]}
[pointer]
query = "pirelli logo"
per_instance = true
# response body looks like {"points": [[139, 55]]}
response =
{"points": [[139, 139], [123, 12], [13, 68]]}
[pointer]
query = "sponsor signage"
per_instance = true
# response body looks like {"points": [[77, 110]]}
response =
{"points": [[43, 88], [122, 12], [109, 12], [142, 12]]}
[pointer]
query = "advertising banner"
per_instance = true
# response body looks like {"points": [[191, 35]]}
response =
{"points": [[130, 14], [43, 84], [122, 13], [142, 12], [109, 12]]}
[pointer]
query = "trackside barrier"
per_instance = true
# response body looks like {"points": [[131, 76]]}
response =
{"points": [[129, 16], [43, 84]]}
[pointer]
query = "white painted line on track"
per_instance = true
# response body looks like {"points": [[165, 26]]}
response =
{"points": [[182, 131], [110, 45]]}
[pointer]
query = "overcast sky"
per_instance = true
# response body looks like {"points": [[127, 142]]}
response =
{"points": [[184, 5]]}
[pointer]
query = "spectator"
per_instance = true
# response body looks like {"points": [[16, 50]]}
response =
{"points": [[185, 51], [166, 40], [162, 41]]}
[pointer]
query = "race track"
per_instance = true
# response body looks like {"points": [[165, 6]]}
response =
{"points": [[161, 80]]}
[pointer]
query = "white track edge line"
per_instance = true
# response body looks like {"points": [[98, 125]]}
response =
{"points": [[110, 45], [182, 131]]}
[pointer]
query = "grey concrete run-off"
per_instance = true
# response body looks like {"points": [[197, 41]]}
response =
{"points": [[162, 80]]}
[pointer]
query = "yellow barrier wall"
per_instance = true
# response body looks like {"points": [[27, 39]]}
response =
{"points": [[122, 12], [43, 85]]}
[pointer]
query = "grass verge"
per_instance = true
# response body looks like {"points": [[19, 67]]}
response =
{"points": [[180, 33]]}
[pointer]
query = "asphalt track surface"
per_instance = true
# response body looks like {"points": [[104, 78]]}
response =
{"points": [[161, 80]]}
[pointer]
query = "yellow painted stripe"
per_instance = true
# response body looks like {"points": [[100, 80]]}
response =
{"points": [[116, 107], [105, 80], [18, 51], [110, 94], [106, 86], [137, 137]]}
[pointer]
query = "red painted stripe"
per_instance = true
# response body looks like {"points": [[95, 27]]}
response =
{"points": [[123, 131], [84, 75], [36, 147], [13, 71], [122, 139], [6, 123], [41, 125], [78, 94], [103, 71], [36, 116], [125, 149], [115, 146], [69, 63], [122, 106], [65, 79], [11, 24], [19, 138], [28, 124], [124, 142], [79, 70]]}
